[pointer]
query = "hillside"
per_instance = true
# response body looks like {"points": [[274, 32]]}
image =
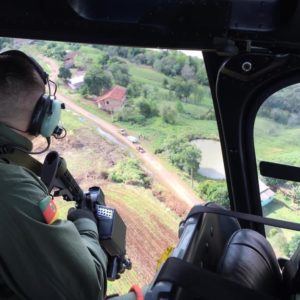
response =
{"points": [[151, 226]]}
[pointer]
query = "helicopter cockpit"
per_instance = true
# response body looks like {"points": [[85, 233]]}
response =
{"points": [[251, 52]]}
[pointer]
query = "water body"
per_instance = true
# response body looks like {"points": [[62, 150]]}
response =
{"points": [[211, 165]]}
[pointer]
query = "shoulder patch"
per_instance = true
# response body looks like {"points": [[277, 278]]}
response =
{"points": [[48, 209]]}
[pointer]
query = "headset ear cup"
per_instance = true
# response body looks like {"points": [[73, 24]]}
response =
{"points": [[51, 119], [45, 117], [38, 114]]}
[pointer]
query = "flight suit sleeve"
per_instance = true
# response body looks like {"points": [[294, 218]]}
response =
{"points": [[43, 261]]}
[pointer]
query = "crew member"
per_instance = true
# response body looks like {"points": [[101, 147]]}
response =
{"points": [[41, 256]]}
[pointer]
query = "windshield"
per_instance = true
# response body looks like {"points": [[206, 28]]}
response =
{"points": [[140, 123], [277, 140]]}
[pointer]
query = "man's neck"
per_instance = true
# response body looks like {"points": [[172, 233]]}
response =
{"points": [[28, 136]]}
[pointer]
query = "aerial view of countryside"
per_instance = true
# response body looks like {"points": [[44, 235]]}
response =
{"points": [[141, 125]]}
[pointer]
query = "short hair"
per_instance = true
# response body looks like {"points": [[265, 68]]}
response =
{"points": [[19, 85]]}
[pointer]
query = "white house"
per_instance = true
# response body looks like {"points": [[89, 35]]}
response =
{"points": [[76, 82]]}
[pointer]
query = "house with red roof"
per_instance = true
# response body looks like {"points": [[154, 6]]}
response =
{"points": [[112, 100]]}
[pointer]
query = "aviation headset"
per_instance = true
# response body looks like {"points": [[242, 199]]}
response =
{"points": [[46, 114]]}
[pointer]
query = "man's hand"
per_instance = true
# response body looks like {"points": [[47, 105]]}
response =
{"points": [[79, 213]]}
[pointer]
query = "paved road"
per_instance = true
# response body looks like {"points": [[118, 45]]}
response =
{"points": [[168, 179]]}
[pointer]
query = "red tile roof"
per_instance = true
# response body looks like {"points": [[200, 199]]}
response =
{"points": [[116, 93]]}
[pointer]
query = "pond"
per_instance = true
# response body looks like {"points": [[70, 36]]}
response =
{"points": [[211, 165]]}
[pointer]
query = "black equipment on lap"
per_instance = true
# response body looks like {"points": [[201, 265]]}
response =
{"points": [[111, 228]]}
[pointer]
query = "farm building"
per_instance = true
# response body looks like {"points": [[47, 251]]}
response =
{"points": [[76, 82], [112, 100], [266, 194]]}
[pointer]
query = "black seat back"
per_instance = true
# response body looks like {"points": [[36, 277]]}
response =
{"points": [[209, 243], [249, 260], [291, 276]]}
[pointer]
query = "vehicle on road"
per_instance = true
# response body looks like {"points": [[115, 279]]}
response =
{"points": [[133, 139], [140, 149], [123, 131]]}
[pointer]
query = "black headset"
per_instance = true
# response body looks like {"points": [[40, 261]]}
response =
{"points": [[46, 115]]}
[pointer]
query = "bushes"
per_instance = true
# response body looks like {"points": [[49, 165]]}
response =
{"points": [[169, 114], [130, 114], [182, 154], [214, 191], [128, 171], [97, 81], [148, 108], [290, 248]]}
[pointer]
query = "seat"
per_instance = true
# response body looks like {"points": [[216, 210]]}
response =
{"points": [[211, 239], [291, 276], [239, 264], [249, 260]]}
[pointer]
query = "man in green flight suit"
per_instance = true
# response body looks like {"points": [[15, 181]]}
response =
{"points": [[41, 257]]}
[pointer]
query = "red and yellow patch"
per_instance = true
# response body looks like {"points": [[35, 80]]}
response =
{"points": [[49, 209]]}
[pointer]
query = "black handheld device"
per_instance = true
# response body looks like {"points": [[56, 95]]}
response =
{"points": [[111, 228]]}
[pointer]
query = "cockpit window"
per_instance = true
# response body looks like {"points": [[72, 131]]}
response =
{"points": [[277, 141], [140, 123]]}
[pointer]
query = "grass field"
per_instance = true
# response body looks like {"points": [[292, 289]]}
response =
{"points": [[276, 142], [147, 75]]}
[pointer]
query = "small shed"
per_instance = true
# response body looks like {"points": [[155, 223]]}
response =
{"points": [[112, 100], [266, 194], [76, 82]]}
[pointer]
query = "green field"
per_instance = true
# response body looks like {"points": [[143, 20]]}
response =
{"points": [[276, 142]]}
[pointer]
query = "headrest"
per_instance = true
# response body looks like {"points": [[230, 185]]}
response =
{"points": [[250, 261], [291, 273], [214, 233]]}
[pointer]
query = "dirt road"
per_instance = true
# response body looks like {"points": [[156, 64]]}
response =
{"points": [[166, 178]]}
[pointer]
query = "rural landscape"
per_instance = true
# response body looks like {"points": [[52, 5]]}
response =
{"points": [[141, 125]]}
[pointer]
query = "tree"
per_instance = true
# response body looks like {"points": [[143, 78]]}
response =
{"points": [[214, 191], [134, 90], [179, 107], [64, 73], [191, 157], [182, 154], [169, 114], [120, 73], [290, 248], [188, 72], [56, 50], [148, 109], [97, 81], [165, 83], [182, 89]]}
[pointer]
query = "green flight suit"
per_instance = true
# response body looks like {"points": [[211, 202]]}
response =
{"points": [[39, 261]]}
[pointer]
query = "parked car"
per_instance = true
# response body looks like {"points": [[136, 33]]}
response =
{"points": [[133, 139], [123, 131], [140, 149]]}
